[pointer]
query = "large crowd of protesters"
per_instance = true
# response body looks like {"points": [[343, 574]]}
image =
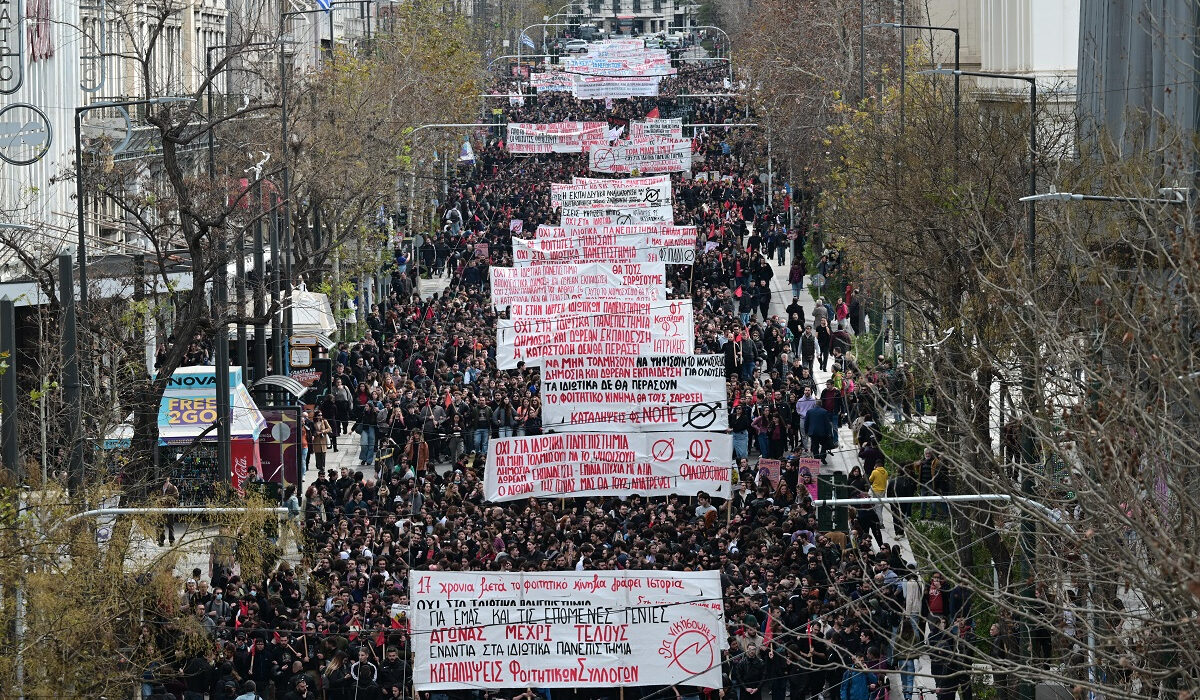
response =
{"points": [[418, 397]]}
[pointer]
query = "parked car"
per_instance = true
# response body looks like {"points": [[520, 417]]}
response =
{"points": [[577, 46]]}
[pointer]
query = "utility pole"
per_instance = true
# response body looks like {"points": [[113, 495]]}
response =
{"points": [[260, 289], [276, 330], [224, 414], [72, 392], [8, 386]]}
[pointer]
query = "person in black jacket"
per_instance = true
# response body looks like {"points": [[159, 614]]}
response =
{"points": [[733, 358], [808, 346], [762, 293], [197, 677], [819, 427], [824, 340], [300, 690], [749, 673], [750, 356], [394, 669]]}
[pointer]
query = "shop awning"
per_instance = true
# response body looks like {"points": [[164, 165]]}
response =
{"points": [[311, 313], [189, 407], [284, 382]]}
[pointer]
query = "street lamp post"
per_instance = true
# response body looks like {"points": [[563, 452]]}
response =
{"points": [[957, 67], [516, 56], [224, 457], [1031, 231], [525, 35], [285, 225], [361, 4], [1179, 196], [1029, 380], [728, 46]]}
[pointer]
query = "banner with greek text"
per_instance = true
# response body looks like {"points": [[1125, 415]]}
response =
{"points": [[583, 393], [555, 137], [637, 191], [642, 64], [647, 243], [596, 87], [608, 464], [608, 327], [566, 629], [556, 283], [552, 81], [657, 128], [643, 156], [605, 215]]}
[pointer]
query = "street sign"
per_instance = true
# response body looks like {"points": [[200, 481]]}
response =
{"points": [[25, 134], [300, 357]]}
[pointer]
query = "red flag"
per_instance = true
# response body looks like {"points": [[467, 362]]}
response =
{"points": [[738, 292], [652, 114], [276, 638], [396, 624], [770, 632], [379, 639]]}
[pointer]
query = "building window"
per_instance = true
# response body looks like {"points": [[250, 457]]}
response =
{"points": [[637, 6], [594, 7], [658, 7], [616, 6]]}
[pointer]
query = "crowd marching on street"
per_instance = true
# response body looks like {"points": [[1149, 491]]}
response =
{"points": [[395, 456]]}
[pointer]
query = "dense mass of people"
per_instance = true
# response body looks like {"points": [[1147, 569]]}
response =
{"points": [[809, 611]]}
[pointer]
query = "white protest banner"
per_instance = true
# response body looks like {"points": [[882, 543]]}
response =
{"points": [[639, 243], [555, 137], [657, 128], [646, 156], [638, 191], [593, 87], [600, 215], [566, 629], [606, 327], [605, 247], [554, 283], [552, 81], [679, 234], [621, 68], [608, 464], [663, 392], [516, 226]]}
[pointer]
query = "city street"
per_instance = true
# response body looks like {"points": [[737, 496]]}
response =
{"points": [[608, 351]]}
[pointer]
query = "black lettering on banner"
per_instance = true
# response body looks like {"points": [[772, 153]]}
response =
{"points": [[701, 416]]}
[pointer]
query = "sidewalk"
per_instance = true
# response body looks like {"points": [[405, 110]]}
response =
{"points": [[846, 456]]}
